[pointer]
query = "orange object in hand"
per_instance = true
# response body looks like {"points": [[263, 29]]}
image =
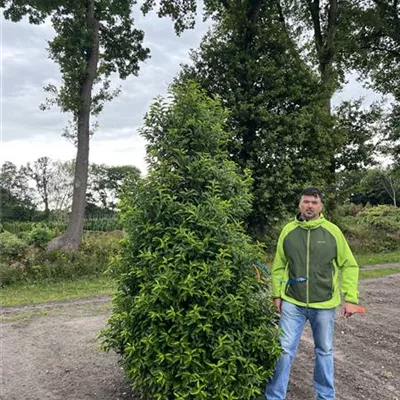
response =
{"points": [[360, 310]]}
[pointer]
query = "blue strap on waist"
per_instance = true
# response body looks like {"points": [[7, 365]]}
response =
{"points": [[290, 281]]}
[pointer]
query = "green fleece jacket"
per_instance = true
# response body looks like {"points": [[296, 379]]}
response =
{"points": [[309, 257]]}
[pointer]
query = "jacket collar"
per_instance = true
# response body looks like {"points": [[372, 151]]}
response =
{"points": [[311, 224]]}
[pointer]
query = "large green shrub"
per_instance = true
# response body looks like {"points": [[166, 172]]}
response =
{"points": [[190, 319]]}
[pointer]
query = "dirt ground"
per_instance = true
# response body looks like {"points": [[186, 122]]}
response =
{"points": [[50, 352]]}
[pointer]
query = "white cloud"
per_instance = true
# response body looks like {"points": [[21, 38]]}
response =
{"points": [[28, 133], [120, 151]]}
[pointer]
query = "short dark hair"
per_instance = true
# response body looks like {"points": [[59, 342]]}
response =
{"points": [[312, 191]]}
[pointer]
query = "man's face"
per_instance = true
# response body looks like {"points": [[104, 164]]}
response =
{"points": [[310, 207]]}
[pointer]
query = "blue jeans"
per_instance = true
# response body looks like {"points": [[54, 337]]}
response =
{"points": [[293, 319]]}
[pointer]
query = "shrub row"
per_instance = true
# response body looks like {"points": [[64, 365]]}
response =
{"points": [[25, 259], [90, 224], [373, 229], [22, 255]]}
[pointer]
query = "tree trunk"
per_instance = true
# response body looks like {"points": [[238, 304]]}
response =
{"points": [[46, 207], [72, 238], [326, 52]]}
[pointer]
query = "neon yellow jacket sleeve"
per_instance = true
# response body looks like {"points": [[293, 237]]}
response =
{"points": [[349, 269], [279, 266]]}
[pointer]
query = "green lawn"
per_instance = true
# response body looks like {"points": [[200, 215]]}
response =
{"points": [[380, 258], [42, 292], [378, 273]]}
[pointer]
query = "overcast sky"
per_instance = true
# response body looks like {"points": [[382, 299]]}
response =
{"points": [[28, 133]]}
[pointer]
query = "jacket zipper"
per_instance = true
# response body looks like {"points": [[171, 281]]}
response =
{"points": [[308, 266]]}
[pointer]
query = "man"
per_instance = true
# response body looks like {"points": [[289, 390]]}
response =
{"points": [[305, 283]]}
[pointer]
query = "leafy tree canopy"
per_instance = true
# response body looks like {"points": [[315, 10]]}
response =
{"points": [[373, 47], [106, 183], [375, 186], [16, 197], [280, 128]]}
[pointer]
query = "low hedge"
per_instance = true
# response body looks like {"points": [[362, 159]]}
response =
{"points": [[20, 261]]}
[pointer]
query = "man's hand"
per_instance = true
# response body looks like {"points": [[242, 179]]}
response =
{"points": [[349, 309], [278, 304]]}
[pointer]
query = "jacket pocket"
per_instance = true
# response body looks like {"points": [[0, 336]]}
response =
{"points": [[297, 291], [321, 283]]}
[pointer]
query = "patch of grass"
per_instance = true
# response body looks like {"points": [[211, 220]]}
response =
{"points": [[41, 292], [378, 258], [379, 272], [24, 316]]}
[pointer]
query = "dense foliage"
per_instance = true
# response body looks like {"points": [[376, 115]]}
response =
{"points": [[190, 319], [24, 259], [13, 208], [383, 218], [280, 129], [371, 229], [16, 203]]}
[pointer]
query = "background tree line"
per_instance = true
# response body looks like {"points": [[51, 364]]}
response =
{"points": [[42, 190]]}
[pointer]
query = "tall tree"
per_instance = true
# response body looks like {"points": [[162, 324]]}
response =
{"points": [[53, 181], [374, 45], [94, 38], [325, 33], [320, 30], [42, 173], [280, 129], [335, 36], [374, 50], [86, 32]]}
